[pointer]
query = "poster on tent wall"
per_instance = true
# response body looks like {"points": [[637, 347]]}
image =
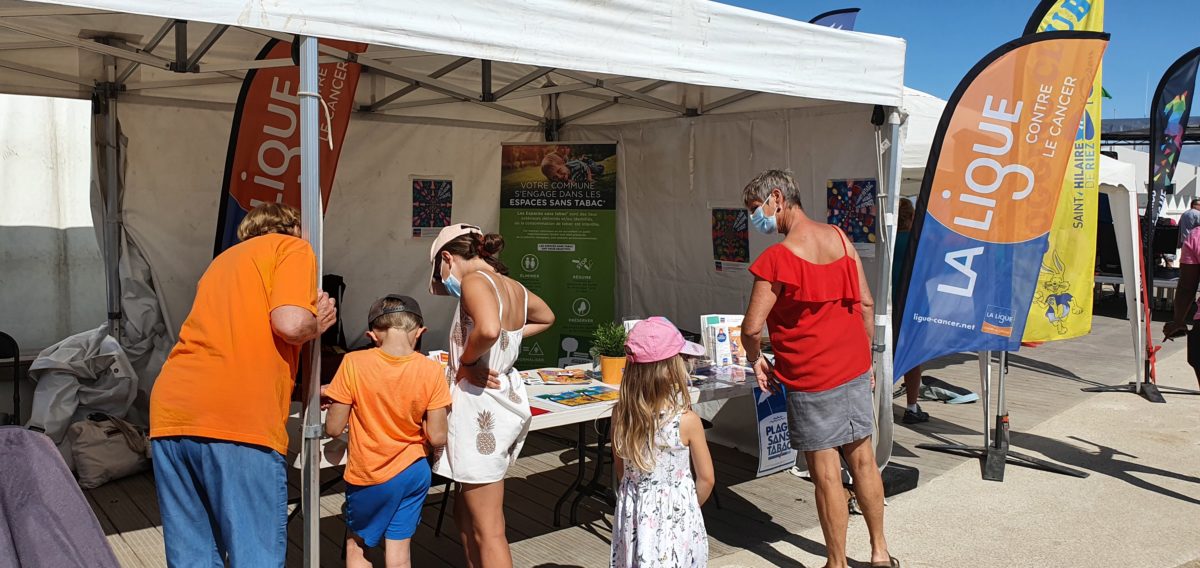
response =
{"points": [[989, 196], [731, 239], [1062, 300], [850, 206], [558, 206], [775, 451], [432, 203], [263, 163]]}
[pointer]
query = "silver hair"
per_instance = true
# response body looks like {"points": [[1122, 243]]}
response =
{"points": [[761, 186]]}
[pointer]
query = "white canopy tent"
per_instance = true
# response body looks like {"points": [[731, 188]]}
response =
{"points": [[699, 95]]}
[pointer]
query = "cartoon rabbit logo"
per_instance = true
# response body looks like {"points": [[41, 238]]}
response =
{"points": [[1054, 295]]}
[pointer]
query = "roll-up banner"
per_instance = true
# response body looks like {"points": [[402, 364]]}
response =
{"points": [[558, 215], [263, 163], [1062, 300], [837, 19], [990, 193]]}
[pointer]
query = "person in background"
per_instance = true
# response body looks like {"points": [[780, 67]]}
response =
{"points": [[1188, 221], [912, 379], [657, 440], [490, 414], [395, 400], [811, 293], [1185, 301], [220, 405]]}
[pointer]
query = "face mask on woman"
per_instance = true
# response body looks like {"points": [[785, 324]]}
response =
{"points": [[453, 286], [762, 223]]}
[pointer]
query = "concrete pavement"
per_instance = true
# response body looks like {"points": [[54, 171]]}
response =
{"points": [[1140, 507]]}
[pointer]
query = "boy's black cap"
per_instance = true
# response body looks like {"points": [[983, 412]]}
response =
{"points": [[406, 304]]}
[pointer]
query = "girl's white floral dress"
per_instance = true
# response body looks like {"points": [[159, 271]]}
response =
{"points": [[658, 522]]}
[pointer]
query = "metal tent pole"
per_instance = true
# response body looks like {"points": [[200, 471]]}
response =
{"points": [[985, 389], [311, 220], [112, 200], [887, 197]]}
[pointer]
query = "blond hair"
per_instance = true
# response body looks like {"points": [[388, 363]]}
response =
{"points": [[267, 219], [651, 394], [403, 321]]}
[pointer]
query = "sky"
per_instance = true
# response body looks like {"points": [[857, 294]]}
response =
{"points": [[947, 37]]}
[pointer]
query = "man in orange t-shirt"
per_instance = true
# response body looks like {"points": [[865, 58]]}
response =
{"points": [[395, 401], [220, 405]]}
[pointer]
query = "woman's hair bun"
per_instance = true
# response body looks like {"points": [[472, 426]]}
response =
{"points": [[491, 244]]}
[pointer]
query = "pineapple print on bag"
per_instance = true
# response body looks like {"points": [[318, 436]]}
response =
{"points": [[485, 441], [512, 391]]}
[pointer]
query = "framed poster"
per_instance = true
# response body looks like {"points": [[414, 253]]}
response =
{"points": [[731, 239], [432, 203], [851, 207]]}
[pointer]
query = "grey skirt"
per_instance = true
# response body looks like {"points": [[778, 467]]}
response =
{"points": [[832, 418]]}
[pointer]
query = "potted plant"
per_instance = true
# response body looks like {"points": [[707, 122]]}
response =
{"points": [[608, 348]]}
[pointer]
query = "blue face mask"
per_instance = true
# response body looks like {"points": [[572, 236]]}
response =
{"points": [[453, 286], [762, 223]]}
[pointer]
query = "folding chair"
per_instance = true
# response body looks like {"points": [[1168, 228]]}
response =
{"points": [[9, 349]]}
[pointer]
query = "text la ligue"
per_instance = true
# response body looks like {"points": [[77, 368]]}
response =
{"points": [[979, 207]]}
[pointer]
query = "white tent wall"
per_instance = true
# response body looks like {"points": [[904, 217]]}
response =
{"points": [[172, 191], [674, 172], [52, 275]]}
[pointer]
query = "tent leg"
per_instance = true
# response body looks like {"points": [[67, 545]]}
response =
{"points": [[887, 198], [311, 220], [112, 200], [995, 451]]}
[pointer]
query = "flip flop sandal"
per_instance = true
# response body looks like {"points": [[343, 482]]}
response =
{"points": [[890, 563]]}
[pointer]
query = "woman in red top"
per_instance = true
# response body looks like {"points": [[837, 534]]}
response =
{"points": [[812, 295]]}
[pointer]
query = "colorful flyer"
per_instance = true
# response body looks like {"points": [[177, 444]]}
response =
{"points": [[432, 201], [851, 207], [731, 239], [582, 397]]}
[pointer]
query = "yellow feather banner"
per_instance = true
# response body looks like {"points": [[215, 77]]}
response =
{"points": [[1062, 301]]}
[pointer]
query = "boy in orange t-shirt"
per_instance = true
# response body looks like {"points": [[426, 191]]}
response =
{"points": [[395, 401]]}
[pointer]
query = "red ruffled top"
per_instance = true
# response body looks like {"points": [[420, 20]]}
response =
{"points": [[816, 325]]}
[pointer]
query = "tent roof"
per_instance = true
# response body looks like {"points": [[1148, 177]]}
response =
{"points": [[1117, 174], [924, 112], [486, 60]]}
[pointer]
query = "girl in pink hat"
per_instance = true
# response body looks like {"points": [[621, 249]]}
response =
{"points": [[657, 440]]}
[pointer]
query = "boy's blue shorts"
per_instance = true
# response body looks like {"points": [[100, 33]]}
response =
{"points": [[391, 509]]}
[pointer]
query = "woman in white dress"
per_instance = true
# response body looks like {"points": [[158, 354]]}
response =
{"points": [[489, 414]]}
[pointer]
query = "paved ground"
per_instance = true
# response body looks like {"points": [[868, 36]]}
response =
{"points": [[1139, 507]]}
